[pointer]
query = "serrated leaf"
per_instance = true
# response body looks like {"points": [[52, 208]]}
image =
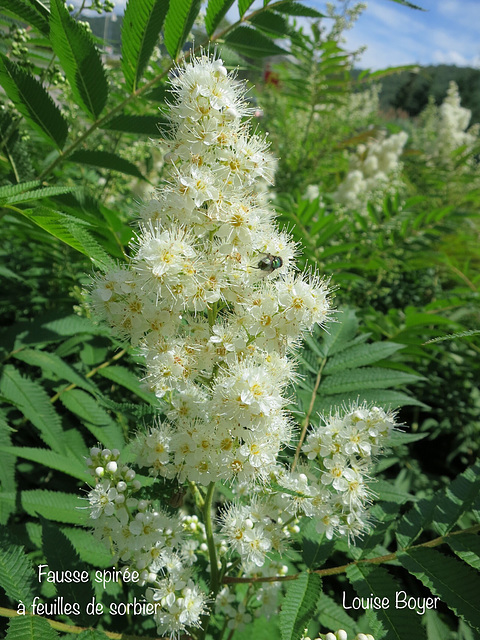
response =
{"points": [[55, 505], [361, 355], [401, 624], [466, 547], [16, 572], [408, 4], [339, 333], [142, 23], [106, 160], [7, 470], [87, 547], [30, 628], [365, 378], [180, 18], [383, 398], [96, 419], [298, 9], [271, 23], [124, 377], [387, 492], [33, 102], [32, 400], [415, 521], [51, 460], [51, 362], [61, 556], [68, 230], [455, 583], [27, 12], [457, 499], [46, 192], [80, 60], [216, 10], [92, 634], [243, 5], [252, 43], [13, 189], [299, 604], [47, 329], [146, 125], [332, 615]]}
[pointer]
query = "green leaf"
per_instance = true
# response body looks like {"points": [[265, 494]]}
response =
{"points": [[298, 9], [30, 628], [408, 4], [216, 10], [387, 492], [125, 378], [27, 12], [52, 363], [37, 194], [96, 419], [106, 160], [61, 556], [243, 5], [50, 459], [415, 521], [299, 604], [33, 102], [339, 333], [14, 189], [16, 572], [142, 23], [457, 499], [32, 400], [7, 470], [455, 583], [87, 547], [271, 23], [333, 616], [401, 624], [365, 378], [361, 355], [252, 43], [180, 18], [80, 60], [55, 505], [467, 547], [146, 125], [70, 231]]}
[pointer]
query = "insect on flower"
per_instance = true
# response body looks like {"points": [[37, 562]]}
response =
{"points": [[270, 263]]}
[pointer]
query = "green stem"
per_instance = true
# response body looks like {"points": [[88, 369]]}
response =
{"points": [[214, 576], [207, 511]]}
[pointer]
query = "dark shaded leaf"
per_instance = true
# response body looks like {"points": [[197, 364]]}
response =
{"points": [[180, 18], [80, 60], [142, 23], [33, 102]]}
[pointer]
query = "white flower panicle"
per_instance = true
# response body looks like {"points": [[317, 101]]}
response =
{"points": [[211, 296], [372, 168], [445, 130], [212, 301]]}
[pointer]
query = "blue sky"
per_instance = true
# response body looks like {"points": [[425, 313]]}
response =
{"points": [[448, 32]]}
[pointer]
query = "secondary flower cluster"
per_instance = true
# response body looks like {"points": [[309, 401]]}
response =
{"points": [[212, 300], [444, 129], [372, 168], [161, 548], [341, 634]]}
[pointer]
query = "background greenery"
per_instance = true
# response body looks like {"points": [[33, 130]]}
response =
{"points": [[79, 125]]}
